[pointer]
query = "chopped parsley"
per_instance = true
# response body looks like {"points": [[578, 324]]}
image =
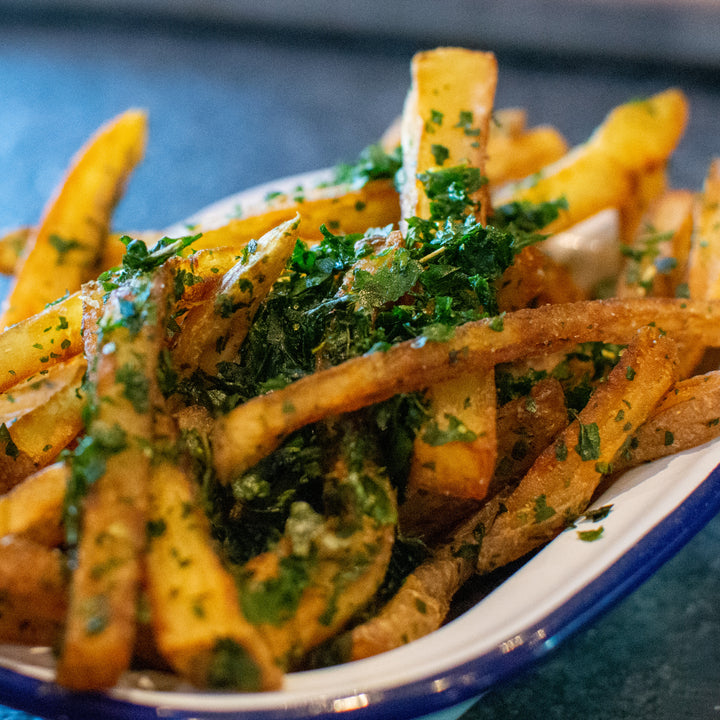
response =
{"points": [[541, 510], [373, 163], [63, 246], [456, 431], [11, 449], [588, 447], [232, 668], [440, 153], [591, 535]]}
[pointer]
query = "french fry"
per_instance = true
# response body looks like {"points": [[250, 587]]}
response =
{"points": [[123, 357], [641, 134], [12, 245], [34, 391], [457, 459], [535, 278], [33, 509], [508, 122], [515, 156], [462, 82], [560, 484], [608, 170], [213, 331], [36, 439], [347, 555], [252, 430], [343, 209], [688, 416], [194, 601], [32, 346], [589, 182], [513, 151], [647, 187], [33, 592], [76, 222], [422, 603], [455, 452], [704, 270], [658, 260], [525, 427], [704, 258]]}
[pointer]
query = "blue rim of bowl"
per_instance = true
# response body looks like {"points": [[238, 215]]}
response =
{"points": [[421, 697]]}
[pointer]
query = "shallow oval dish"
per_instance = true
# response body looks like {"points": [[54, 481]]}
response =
{"points": [[653, 511]]}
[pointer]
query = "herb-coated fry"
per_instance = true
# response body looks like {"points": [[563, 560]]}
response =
{"points": [[462, 83], [33, 508], [197, 622], [37, 438], [33, 345], [71, 234], [214, 330], [560, 484], [688, 416], [100, 630], [33, 596]]}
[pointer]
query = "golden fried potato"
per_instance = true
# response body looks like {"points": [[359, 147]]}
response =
{"points": [[462, 83], [657, 262], [33, 508], [455, 451], [36, 438], [688, 416], [12, 245], [122, 366], [342, 209], [561, 482], [422, 603], [213, 331], [32, 346], [525, 427], [65, 250], [193, 599], [345, 557], [33, 592]]}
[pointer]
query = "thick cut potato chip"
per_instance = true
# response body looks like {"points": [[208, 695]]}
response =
{"points": [[561, 482], [33, 592], [123, 354], [76, 223], [186, 581], [33, 509], [462, 82]]}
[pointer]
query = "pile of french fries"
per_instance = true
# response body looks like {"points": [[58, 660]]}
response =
{"points": [[107, 553]]}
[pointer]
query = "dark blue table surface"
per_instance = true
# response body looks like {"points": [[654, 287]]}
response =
{"points": [[231, 108]]}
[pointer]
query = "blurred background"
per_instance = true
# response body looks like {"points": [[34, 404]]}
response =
{"points": [[677, 30], [278, 87], [246, 91]]}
